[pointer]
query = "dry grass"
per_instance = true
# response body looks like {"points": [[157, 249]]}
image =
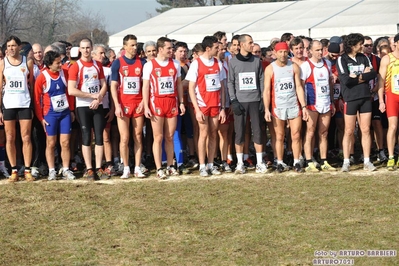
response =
{"points": [[250, 220]]}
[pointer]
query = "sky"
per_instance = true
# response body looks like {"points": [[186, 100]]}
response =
{"points": [[121, 14]]}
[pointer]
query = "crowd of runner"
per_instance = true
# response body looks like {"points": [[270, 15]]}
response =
{"points": [[219, 107]]}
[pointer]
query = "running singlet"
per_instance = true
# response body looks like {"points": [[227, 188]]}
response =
{"points": [[284, 91], [16, 89], [55, 98], [130, 81], [208, 84], [89, 77], [317, 88], [392, 76], [163, 80]]}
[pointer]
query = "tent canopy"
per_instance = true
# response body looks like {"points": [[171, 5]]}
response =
{"points": [[314, 18]]}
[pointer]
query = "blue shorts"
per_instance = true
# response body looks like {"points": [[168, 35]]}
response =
{"points": [[59, 122]]}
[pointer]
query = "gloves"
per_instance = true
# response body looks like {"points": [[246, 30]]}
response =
{"points": [[261, 106], [238, 109]]}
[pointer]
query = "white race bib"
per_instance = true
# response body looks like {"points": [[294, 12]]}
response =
{"points": [[92, 87], [285, 85], [247, 81], [395, 84], [166, 85], [357, 70], [337, 91], [131, 85], [322, 88], [59, 102], [212, 82], [16, 85]]}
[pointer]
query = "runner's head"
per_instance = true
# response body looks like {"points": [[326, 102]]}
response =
{"points": [[85, 48], [211, 45], [181, 50], [37, 52], [316, 50], [150, 50], [164, 47], [52, 60], [130, 45], [281, 50], [296, 46], [353, 43], [98, 52], [246, 43], [13, 45], [198, 50]]}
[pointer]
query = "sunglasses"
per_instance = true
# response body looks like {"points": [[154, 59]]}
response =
{"points": [[367, 45]]}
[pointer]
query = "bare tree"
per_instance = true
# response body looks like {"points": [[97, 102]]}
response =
{"points": [[13, 14]]}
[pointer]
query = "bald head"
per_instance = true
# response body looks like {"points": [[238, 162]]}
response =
{"points": [[37, 53]]}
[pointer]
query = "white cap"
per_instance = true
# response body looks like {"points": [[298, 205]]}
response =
{"points": [[75, 52]]}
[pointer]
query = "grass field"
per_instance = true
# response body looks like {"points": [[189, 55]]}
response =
{"points": [[251, 219]]}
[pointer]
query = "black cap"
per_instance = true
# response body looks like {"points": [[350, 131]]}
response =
{"points": [[334, 48]]}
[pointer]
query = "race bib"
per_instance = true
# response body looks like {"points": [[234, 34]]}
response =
{"points": [[337, 91], [92, 87], [59, 102], [357, 70], [395, 84], [212, 82], [323, 88], [285, 85], [16, 85], [247, 81], [166, 85], [131, 85]]}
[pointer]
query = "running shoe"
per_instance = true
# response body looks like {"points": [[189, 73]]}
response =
{"points": [[369, 166], [138, 173], [102, 175], [298, 168], [4, 171], [240, 169], [261, 168], [68, 175], [282, 167], [14, 177], [125, 174], [391, 164], [203, 172], [171, 171], [52, 175], [90, 175], [248, 163], [327, 167], [28, 176], [345, 167], [161, 174], [226, 167], [311, 168], [214, 171]]}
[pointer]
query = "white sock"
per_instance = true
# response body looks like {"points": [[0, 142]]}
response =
{"points": [[210, 165], [229, 157], [240, 158], [279, 161], [126, 169], [296, 161], [51, 169], [346, 161], [259, 158], [366, 160], [137, 168], [202, 166], [64, 169]]}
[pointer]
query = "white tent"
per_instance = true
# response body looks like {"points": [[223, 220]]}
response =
{"points": [[314, 18]]}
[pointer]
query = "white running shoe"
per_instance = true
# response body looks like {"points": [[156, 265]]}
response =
{"points": [[68, 175], [52, 175], [125, 175]]}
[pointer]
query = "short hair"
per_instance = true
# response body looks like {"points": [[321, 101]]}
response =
{"points": [[61, 47], [140, 49], [129, 37], [264, 50], [367, 38], [286, 37], [161, 42], [219, 35], [296, 41], [235, 37], [325, 42], [243, 38], [181, 44], [96, 46], [312, 43], [208, 41], [309, 39], [351, 40], [198, 48], [13, 38], [50, 57], [86, 40], [382, 47], [67, 44], [149, 43], [108, 52]]}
